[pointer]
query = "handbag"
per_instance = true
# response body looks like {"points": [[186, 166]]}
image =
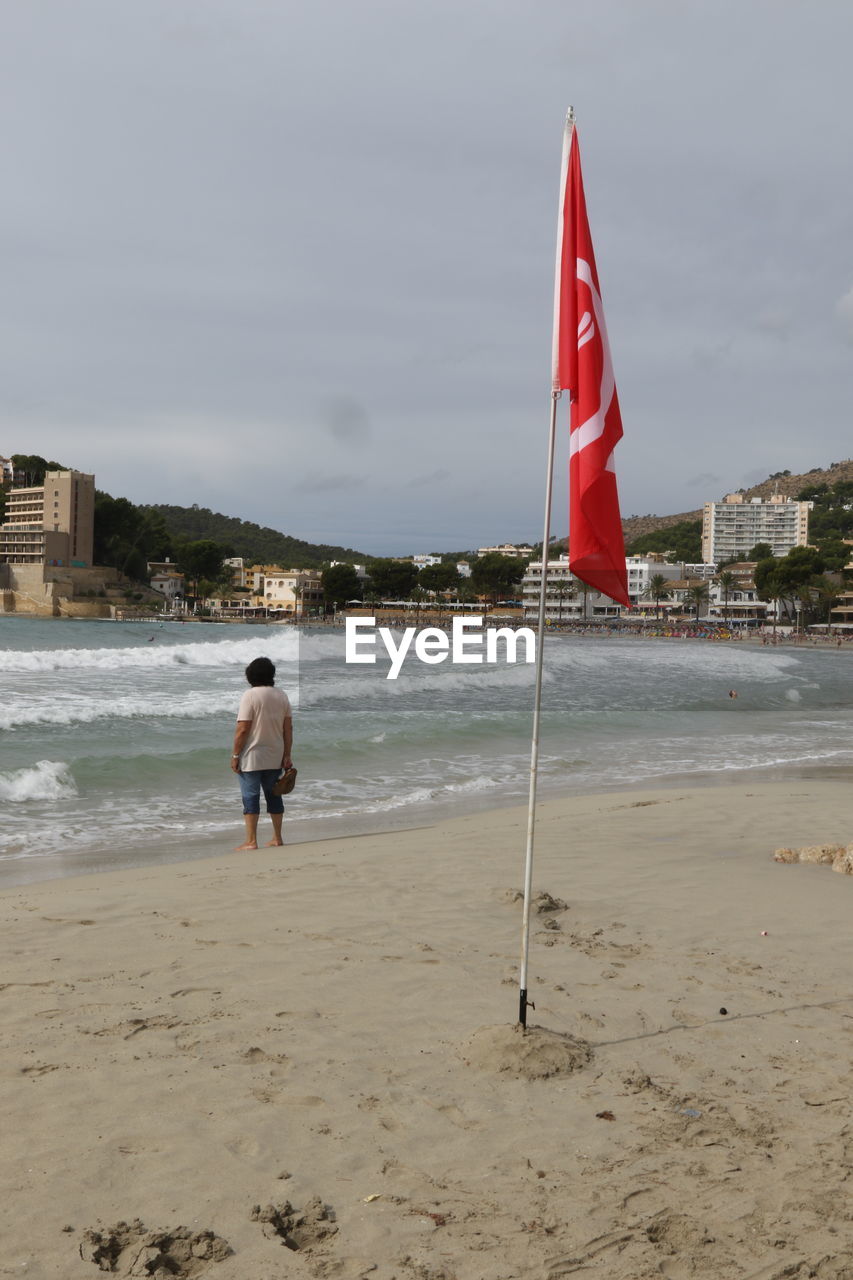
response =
{"points": [[285, 783]]}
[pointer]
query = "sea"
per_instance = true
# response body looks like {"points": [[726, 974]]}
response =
{"points": [[115, 737]]}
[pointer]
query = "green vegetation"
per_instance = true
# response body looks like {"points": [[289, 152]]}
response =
{"points": [[831, 521], [127, 537], [34, 467], [255, 543], [340, 584], [682, 541], [497, 576], [391, 579], [797, 576]]}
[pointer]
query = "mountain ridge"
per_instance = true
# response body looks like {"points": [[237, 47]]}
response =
{"points": [[786, 483]]}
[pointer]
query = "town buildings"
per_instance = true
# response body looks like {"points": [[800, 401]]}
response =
{"points": [[50, 524], [731, 528]]}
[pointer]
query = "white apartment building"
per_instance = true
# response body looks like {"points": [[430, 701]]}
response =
{"points": [[422, 561], [731, 528], [566, 597], [50, 524]]}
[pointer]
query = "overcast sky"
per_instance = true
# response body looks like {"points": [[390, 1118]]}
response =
{"points": [[294, 261]]}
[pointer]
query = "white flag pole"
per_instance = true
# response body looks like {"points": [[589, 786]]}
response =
{"points": [[523, 1001]]}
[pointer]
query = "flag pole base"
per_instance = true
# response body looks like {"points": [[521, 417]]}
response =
{"points": [[523, 1005]]}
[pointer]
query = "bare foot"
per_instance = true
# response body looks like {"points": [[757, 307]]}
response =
{"points": [[250, 844], [274, 844]]}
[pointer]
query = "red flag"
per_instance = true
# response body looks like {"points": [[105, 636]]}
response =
{"points": [[582, 366]]}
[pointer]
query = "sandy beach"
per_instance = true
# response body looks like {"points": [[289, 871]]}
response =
{"points": [[295, 1055]]}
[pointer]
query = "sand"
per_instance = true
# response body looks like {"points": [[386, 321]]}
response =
{"points": [[303, 1061]]}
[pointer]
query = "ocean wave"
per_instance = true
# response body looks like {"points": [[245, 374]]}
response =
{"points": [[280, 647], [64, 712], [47, 780]]}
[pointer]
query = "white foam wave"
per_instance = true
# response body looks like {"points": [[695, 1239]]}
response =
{"points": [[279, 646], [47, 780], [89, 710]]}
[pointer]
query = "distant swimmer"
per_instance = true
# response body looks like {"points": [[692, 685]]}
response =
{"points": [[150, 638], [732, 693]]}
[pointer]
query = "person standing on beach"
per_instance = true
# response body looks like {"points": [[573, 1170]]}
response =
{"points": [[263, 740]]}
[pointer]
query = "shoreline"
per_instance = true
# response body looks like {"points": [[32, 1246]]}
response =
{"points": [[420, 817], [183, 1042]]}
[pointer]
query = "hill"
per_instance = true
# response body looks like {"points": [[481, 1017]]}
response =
{"points": [[257, 544], [783, 482]]}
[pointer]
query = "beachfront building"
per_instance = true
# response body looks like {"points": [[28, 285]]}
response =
{"points": [[567, 599], [168, 584], [842, 613], [296, 591], [731, 528], [50, 524]]}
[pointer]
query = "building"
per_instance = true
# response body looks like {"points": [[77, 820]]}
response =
{"points": [[170, 585], [50, 524], [842, 614], [731, 528], [238, 570], [7, 471], [422, 561], [296, 591], [506, 549], [566, 597]]}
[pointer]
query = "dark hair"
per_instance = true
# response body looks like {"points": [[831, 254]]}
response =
{"points": [[260, 671]]}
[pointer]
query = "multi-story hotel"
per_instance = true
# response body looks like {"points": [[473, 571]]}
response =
{"points": [[731, 528], [50, 524]]}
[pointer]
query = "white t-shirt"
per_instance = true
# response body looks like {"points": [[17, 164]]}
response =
{"points": [[267, 708]]}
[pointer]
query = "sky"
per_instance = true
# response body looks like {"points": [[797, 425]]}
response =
{"points": [[294, 261]]}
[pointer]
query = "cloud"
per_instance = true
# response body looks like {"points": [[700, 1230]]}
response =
{"points": [[346, 418], [844, 311], [431, 478], [330, 484]]}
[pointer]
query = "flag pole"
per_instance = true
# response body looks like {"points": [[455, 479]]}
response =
{"points": [[537, 704], [543, 589]]}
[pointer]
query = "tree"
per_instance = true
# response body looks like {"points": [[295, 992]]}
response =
{"points": [[392, 579], [201, 559], [697, 595], [127, 537], [340, 584], [681, 541], [563, 591], [439, 577], [727, 581], [760, 551], [34, 467], [495, 575], [657, 590]]}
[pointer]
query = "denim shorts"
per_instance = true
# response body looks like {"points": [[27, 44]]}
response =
{"points": [[252, 782]]}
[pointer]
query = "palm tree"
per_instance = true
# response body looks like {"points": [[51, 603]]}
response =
{"points": [[563, 591], [726, 580], [698, 596], [657, 590]]}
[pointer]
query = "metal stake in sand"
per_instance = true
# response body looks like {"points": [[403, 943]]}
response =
{"points": [[537, 705]]}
